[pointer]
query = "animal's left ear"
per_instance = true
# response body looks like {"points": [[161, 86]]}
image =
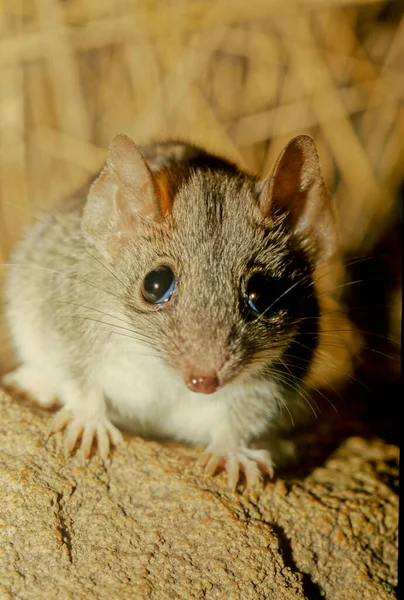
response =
{"points": [[296, 189], [125, 197]]}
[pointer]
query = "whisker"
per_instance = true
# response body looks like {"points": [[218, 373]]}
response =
{"points": [[283, 404], [294, 386], [327, 344], [40, 216], [142, 353], [279, 298], [356, 260], [354, 326], [105, 267], [67, 302], [354, 329], [66, 276], [340, 286], [348, 263], [315, 388], [278, 376], [93, 309], [111, 332], [309, 361], [141, 335], [261, 316], [371, 334], [135, 337], [351, 377]]}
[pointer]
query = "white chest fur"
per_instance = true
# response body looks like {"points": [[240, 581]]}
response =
{"points": [[156, 401], [145, 390]]}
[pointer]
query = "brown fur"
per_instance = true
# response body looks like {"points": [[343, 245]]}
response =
{"points": [[253, 305]]}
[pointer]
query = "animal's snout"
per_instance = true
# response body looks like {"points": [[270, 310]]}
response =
{"points": [[202, 383]]}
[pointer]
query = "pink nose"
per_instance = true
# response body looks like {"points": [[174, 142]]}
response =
{"points": [[202, 384]]}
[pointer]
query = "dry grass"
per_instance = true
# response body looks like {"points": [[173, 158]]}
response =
{"points": [[240, 77]]}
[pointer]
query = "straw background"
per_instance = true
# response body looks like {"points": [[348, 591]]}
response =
{"points": [[240, 77]]}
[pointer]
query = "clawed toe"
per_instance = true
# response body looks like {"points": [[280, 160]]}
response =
{"points": [[212, 463], [73, 431], [99, 430], [61, 419], [253, 463]]}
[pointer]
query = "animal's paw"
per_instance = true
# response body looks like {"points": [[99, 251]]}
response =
{"points": [[254, 463], [89, 428], [28, 380]]}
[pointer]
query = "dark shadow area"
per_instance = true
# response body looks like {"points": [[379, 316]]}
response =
{"points": [[370, 406]]}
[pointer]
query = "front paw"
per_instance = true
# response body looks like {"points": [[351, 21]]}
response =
{"points": [[254, 463], [96, 428]]}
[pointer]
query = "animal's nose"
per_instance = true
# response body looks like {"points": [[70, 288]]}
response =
{"points": [[202, 384]]}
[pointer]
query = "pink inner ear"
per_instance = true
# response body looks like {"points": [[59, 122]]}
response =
{"points": [[138, 190], [125, 160], [288, 177], [125, 194], [296, 173], [297, 188]]}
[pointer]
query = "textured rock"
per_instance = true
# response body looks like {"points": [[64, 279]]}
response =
{"points": [[148, 525]]}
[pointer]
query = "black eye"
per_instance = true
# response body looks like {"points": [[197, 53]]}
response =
{"points": [[266, 295], [158, 285]]}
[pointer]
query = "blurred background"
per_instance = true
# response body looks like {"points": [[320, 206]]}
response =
{"points": [[240, 77]]}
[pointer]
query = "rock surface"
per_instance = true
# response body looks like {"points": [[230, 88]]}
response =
{"points": [[148, 525]]}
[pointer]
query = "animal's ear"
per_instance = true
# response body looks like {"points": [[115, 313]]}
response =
{"points": [[125, 194], [297, 190]]}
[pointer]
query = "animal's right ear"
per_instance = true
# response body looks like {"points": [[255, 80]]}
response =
{"points": [[124, 195], [296, 189]]}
